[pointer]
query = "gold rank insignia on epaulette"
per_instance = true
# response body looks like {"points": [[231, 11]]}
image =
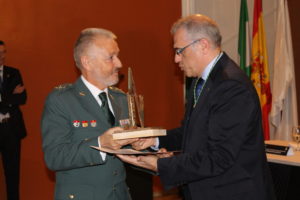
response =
{"points": [[63, 86], [116, 89]]}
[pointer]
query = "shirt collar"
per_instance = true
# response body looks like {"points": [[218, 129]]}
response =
{"points": [[92, 88], [210, 66]]}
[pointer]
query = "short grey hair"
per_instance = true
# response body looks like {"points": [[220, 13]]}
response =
{"points": [[199, 26], [86, 39]]}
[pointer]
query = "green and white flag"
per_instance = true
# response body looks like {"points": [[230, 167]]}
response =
{"points": [[244, 46]]}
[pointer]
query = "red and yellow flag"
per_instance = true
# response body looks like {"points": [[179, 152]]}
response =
{"points": [[260, 72]]}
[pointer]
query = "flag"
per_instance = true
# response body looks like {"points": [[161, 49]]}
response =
{"points": [[284, 106], [259, 69], [244, 39]]}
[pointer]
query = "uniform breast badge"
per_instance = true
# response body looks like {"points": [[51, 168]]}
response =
{"points": [[76, 123], [84, 124], [93, 123]]}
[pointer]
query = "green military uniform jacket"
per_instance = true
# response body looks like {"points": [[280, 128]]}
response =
{"points": [[71, 122]]}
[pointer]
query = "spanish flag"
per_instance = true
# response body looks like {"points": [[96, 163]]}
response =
{"points": [[259, 71]]}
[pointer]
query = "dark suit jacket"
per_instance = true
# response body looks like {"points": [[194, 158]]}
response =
{"points": [[222, 141], [10, 102], [80, 171]]}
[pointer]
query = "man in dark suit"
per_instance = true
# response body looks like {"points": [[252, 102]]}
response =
{"points": [[80, 115], [12, 128], [221, 137]]}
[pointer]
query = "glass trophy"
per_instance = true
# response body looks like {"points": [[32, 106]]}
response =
{"points": [[134, 125]]}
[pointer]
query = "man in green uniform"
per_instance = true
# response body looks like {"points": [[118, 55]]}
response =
{"points": [[77, 116]]}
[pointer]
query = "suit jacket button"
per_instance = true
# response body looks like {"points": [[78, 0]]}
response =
{"points": [[71, 196]]}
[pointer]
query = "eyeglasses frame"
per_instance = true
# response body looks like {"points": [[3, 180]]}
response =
{"points": [[179, 51]]}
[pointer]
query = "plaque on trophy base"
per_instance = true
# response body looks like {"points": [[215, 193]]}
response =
{"points": [[134, 126]]}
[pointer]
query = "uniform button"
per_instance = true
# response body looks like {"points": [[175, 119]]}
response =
{"points": [[115, 172], [86, 139], [71, 196], [114, 188], [91, 164]]}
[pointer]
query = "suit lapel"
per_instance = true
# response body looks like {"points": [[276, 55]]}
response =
{"points": [[192, 111], [6, 84], [203, 97], [209, 84], [202, 101], [188, 112], [5, 76]]}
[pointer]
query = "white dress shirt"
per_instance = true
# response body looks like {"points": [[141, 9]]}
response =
{"points": [[95, 92]]}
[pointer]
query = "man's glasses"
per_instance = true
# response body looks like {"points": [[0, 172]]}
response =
{"points": [[179, 51]]}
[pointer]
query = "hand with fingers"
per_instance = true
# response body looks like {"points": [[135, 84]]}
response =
{"points": [[163, 153], [147, 162], [106, 139], [144, 143], [19, 89]]}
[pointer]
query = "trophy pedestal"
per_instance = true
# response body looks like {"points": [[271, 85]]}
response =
{"points": [[139, 133]]}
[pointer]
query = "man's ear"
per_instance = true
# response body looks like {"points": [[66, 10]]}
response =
{"points": [[204, 45], [85, 62]]}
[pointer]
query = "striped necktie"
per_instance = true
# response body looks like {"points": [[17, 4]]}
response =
{"points": [[199, 87]]}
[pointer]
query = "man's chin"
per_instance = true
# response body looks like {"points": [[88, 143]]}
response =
{"points": [[187, 74], [113, 82]]}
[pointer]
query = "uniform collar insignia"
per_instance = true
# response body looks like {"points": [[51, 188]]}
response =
{"points": [[81, 93]]}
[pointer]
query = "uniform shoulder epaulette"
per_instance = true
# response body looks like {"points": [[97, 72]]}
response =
{"points": [[115, 89], [63, 86]]}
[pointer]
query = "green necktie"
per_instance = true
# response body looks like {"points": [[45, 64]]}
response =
{"points": [[105, 107]]}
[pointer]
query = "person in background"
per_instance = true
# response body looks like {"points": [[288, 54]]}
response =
{"points": [[221, 137], [12, 127]]}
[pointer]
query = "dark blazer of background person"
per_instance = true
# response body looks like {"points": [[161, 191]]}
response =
{"points": [[222, 142], [12, 130], [10, 102]]}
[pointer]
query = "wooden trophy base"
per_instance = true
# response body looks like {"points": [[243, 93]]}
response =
{"points": [[139, 133]]}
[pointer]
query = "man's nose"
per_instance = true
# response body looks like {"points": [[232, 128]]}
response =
{"points": [[177, 58], [118, 63]]}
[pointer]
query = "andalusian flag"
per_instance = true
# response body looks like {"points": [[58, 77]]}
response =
{"points": [[244, 39], [260, 72]]}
